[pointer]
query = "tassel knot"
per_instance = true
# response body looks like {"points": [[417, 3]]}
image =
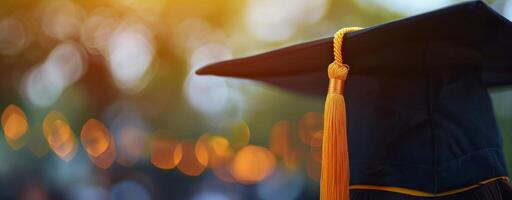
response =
{"points": [[337, 71]]}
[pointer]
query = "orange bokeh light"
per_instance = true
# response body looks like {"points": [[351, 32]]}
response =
{"points": [[16, 144], [201, 149], [165, 154], [105, 159], [220, 146], [190, 163], [15, 125], [253, 164], [59, 135], [95, 137], [220, 157]]}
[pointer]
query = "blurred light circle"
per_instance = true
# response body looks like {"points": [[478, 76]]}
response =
{"points": [[67, 150], [95, 137], [201, 150], [41, 88], [192, 33], [13, 36], [253, 164], [16, 144], [130, 53], [59, 135], [15, 126], [221, 158], [210, 196], [278, 20], [165, 154], [62, 19], [131, 142], [209, 53], [270, 20], [63, 66], [208, 94], [129, 190], [220, 145], [129, 131], [282, 185], [66, 61], [87, 192], [190, 163], [106, 158], [221, 167], [97, 30], [14, 122]]}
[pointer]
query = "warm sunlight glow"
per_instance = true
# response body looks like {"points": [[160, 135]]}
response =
{"points": [[165, 154]]}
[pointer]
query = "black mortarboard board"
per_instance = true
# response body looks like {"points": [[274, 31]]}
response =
{"points": [[419, 116]]}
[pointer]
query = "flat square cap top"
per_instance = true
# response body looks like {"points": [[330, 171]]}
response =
{"points": [[470, 36]]}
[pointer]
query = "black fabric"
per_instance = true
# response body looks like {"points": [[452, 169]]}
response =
{"points": [[432, 131], [496, 190]]}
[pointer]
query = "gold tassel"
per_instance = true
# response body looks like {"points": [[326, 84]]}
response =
{"points": [[334, 180]]}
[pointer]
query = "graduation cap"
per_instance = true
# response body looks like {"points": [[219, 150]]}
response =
{"points": [[419, 119]]}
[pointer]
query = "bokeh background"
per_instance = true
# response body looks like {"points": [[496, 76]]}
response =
{"points": [[99, 99]]}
